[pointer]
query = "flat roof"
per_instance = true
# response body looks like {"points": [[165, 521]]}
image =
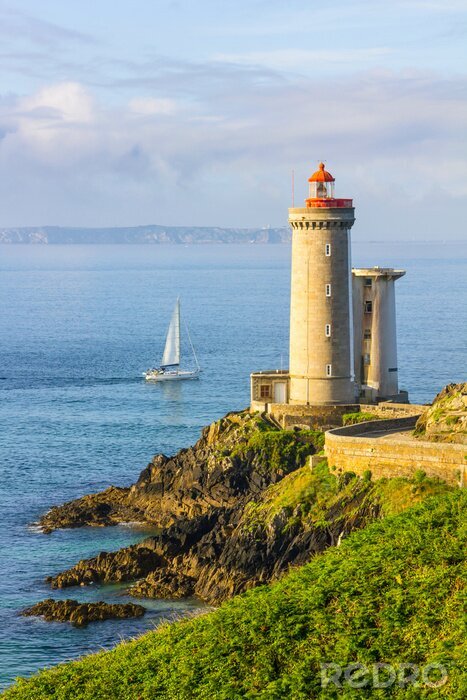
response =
{"points": [[377, 272]]}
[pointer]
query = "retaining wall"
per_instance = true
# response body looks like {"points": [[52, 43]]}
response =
{"points": [[315, 417], [348, 450], [291, 416]]}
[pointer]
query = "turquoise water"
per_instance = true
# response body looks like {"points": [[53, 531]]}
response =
{"points": [[78, 326]]}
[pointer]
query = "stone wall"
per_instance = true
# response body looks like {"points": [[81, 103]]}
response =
{"points": [[387, 409], [347, 450], [290, 416]]}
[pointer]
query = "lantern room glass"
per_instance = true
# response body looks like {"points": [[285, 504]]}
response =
{"points": [[321, 190]]}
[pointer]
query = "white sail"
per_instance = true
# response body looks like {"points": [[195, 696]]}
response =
{"points": [[171, 356]]}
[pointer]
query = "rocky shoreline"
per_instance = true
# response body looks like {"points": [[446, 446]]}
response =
{"points": [[236, 510], [80, 614], [198, 499]]}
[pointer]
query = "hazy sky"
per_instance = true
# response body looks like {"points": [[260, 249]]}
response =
{"points": [[126, 112]]}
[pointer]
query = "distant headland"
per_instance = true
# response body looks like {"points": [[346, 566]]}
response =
{"points": [[150, 234]]}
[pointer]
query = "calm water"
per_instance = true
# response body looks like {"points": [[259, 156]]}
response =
{"points": [[78, 325]]}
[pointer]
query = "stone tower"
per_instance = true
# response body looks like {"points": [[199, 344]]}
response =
{"points": [[321, 325], [375, 338]]}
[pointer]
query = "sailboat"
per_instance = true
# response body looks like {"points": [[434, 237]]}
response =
{"points": [[169, 369]]}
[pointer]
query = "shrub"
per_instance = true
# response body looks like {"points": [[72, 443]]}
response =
{"points": [[281, 450]]}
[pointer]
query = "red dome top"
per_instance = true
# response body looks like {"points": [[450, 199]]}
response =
{"points": [[321, 175]]}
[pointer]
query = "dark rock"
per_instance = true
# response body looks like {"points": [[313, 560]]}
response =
{"points": [[198, 498], [164, 584], [101, 509], [127, 564], [188, 485], [80, 614]]}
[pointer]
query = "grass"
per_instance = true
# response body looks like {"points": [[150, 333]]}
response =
{"points": [[311, 495], [392, 592], [358, 417]]}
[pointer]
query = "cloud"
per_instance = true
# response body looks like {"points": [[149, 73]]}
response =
{"points": [[35, 48], [151, 106], [225, 157], [303, 59], [19, 26]]}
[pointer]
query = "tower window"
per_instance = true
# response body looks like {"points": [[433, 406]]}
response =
{"points": [[265, 391], [367, 334], [368, 307], [328, 370], [366, 358], [368, 282], [328, 290], [327, 330], [327, 249]]}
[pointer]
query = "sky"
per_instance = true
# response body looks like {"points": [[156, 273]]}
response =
{"points": [[132, 112]]}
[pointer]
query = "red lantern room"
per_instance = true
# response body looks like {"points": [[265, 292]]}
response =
{"points": [[321, 193], [321, 184]]}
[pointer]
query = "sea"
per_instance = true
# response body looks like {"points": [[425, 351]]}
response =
{"points": [[79, 325]]}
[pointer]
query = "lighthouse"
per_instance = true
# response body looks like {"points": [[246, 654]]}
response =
{"points": [[321, 369], [343, 349]]}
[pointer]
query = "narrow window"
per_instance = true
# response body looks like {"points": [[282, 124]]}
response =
{"points": [[265, 391], [327, 249], [368, 307], [327, 330], [328, 370], [366, 358], [368, 282], [328, 290], [367, 334]]}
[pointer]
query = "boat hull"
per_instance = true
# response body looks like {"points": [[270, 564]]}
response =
{"points": [[170, 376]]}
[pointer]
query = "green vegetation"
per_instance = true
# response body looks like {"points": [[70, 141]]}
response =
{"points": [[446, 419], [392, 593], [358, 417], [317, 497], [296, 496], [280, 450]]}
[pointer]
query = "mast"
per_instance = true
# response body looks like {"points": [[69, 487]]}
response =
{"points": [[192, 348]]}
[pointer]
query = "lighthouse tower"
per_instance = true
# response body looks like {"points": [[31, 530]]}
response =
{"points": [[321, 326]]}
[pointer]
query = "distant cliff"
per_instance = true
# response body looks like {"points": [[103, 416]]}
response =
{"points": [[154, 234]]}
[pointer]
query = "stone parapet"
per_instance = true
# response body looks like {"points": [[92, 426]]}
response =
{"points": [[328, 416], [311, 417], [353, 448], [392, 410]]}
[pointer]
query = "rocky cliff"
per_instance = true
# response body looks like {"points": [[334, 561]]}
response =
{"points": [[446, 419], [235, 459], [235, 510]]}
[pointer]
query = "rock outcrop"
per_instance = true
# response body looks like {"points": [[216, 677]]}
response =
{"points": [[446, 419], [197, 498], [229, 462], [126, 564], [165, 583], [80, 614], [234, 511]]}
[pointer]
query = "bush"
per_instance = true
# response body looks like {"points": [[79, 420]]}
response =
{"points": [[281, 450]]}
